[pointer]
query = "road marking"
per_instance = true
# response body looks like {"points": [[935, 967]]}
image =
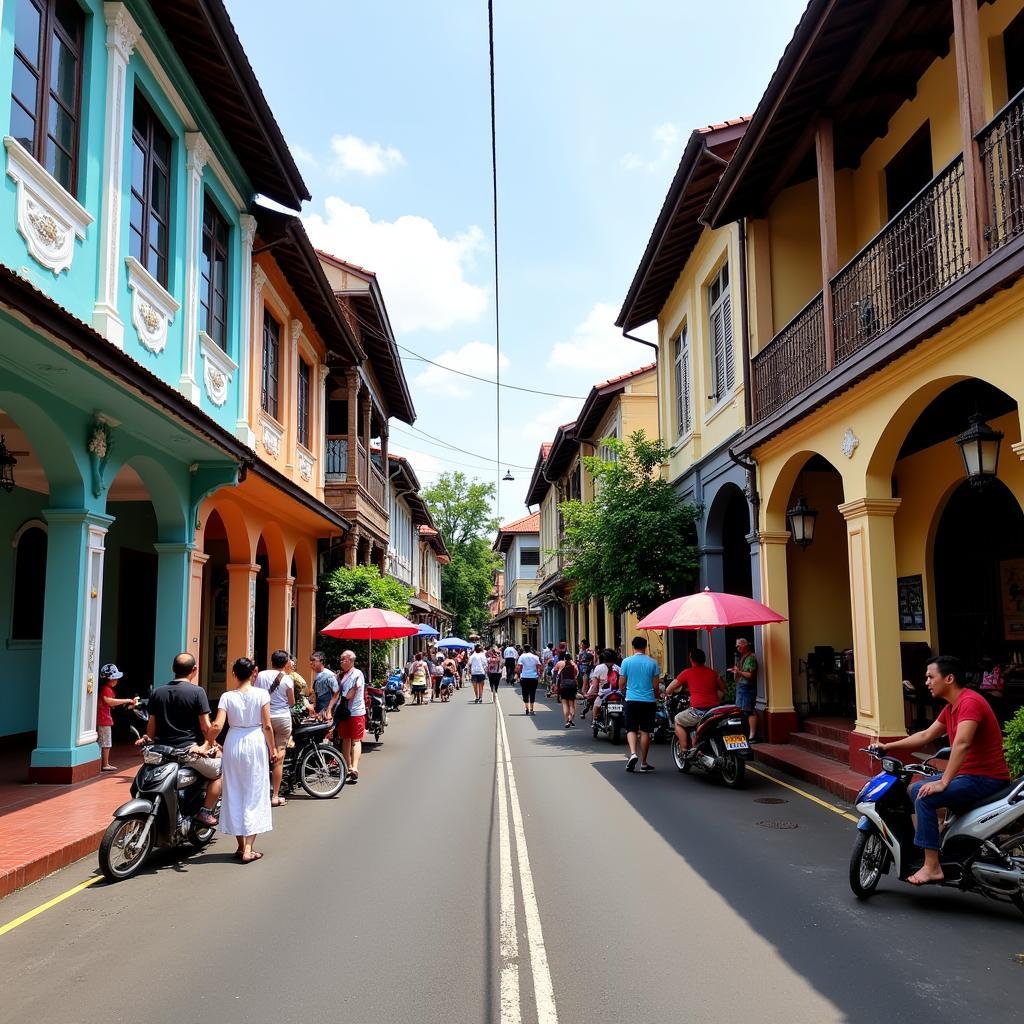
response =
{"points": [[508, 939], [543, 991], [805, 795], [11, 925]]}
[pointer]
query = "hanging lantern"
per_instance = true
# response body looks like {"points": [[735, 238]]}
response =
{"points": [[508, 475], [801, 522], [7, 464], [979, 446]]}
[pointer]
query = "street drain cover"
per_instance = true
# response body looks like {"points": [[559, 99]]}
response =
{"points": [[778, 824], [770, 800]]}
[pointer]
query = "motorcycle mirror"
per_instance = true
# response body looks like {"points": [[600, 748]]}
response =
{"points": [[941, 755]]}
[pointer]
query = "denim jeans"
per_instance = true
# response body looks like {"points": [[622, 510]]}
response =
{"points": [[961, 794]]}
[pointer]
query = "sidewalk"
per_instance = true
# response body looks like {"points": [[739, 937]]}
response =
{"points": [[46, 827]]}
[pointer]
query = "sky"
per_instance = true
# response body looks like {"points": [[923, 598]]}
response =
{"points": [[386, 108]]}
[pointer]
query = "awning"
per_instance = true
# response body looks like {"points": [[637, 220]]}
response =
{"points": [[418, 605]]}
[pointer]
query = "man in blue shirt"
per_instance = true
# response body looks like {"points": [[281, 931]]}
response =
{"points": [[638, 677]]}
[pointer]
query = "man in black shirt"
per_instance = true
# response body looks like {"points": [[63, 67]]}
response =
{"points": [[179, 716]]}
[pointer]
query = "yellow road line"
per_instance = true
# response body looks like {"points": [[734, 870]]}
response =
{"points": [[11, 925], [805, 795]]}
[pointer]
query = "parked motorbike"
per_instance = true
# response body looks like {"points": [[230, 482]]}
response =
{"points": [[718, 745], [312, 763], [982, 848], [663, 730], [376, 712], [394, 695], [166, 796], [610, 717]]}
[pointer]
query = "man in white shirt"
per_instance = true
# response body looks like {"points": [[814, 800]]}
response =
{"points": [[511, 656], [528, 671], [478, 672], [350, 728]]}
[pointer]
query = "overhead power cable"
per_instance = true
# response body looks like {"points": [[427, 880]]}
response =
{"points": [[422, 435], [497, 317]]}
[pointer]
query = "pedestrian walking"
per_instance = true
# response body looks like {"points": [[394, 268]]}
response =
{"points": [[566, 672], [478, 672], [493, 671], [639, 676], [744, 671], [278, 684], [349, 713], [511, 657], [249, 750], [528, 673], [419, 677], [436, 671], [585, 663], [109, 675]]}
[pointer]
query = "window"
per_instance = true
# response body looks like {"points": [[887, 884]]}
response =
{"points": [[1013, 52], [681, 361], [46, 91], [29, 585], [151, 191], [908, 171], [303, 403], [213, 288], [271, 363], [723, 369], [529, 556]]}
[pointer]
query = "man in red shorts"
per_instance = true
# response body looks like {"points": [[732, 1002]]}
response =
{"points": [[351, 726]]}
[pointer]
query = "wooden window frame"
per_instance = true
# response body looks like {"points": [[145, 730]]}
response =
{"points": [[212, 217], [302, 416], [723, 363], [151, 163], [270, 402], [682, 372]]}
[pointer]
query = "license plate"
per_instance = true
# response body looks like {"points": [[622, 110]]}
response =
{"points": [[735, 742]]}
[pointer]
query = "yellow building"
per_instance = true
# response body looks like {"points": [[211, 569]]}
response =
{"points": [[615, 408], [518, 544], [878, 183]]}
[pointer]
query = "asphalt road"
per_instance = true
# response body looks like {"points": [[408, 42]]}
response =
{"points": [[657, 898]]}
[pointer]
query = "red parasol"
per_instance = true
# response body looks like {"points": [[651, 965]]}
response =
{"points": [[370, 624]]}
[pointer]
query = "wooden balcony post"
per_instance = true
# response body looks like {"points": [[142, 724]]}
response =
{"points": [[967, 46], [825, 153], [352, 379]]}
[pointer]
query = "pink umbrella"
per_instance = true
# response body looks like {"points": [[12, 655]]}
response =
{"points": [[370, 624], [709, 610]]}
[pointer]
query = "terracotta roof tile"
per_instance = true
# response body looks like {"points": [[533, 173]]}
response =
{"points": [[528, 524], [625, 376]]}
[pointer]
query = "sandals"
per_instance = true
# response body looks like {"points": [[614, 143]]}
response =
{"points": [[353, 776], [279, 802], [207, 818], [256, 855]]}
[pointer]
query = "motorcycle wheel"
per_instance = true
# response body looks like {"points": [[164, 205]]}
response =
{"points": [[681, 763], [116, 862], [322, 771], [615, 732], [734, 771], [867, 863], [201, 837]]}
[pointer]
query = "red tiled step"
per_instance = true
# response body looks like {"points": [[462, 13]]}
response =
{"points": [[836, 778], [834, 749], [829, 728]]}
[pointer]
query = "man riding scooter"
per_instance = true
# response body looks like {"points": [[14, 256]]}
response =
{"points": [[706, 692], [179, 716]]}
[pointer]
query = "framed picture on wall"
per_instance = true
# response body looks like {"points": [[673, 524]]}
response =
{"points": [[1011, 587], [911, 602]]}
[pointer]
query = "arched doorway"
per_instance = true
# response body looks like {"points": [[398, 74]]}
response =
{"points": [[214, 646]]}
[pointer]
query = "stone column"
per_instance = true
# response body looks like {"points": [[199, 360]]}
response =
{"points": [[871, 545], [306, 640], [775, 654], [198, 152], [279, 612], [194, 636], [174, 573], [592, 622], [247, 344], [66, 749], [241, 612], [122, 35]]}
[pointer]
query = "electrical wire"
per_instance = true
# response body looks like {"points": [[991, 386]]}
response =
{"points": [[416, 433], [497, 317]]}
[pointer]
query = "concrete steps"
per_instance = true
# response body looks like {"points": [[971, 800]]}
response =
{"points": [[829, 774]]}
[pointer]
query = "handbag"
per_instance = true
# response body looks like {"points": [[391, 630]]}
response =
{"points": [[342, 710]]}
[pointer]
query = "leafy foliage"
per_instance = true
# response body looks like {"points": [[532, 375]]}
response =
{"points": [[634, 544], [1013, 744], [347, 589], [462, 511]]}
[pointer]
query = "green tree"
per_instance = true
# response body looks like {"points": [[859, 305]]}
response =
{"points": [[348, 589], [462, 510], [634, 544]]}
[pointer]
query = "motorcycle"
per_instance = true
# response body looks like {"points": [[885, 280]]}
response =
{"points": [[663, 730], [718, 744], [376, 712], [609, 718], [166, 796], [394, 695], [312, 763], [982, 848]]}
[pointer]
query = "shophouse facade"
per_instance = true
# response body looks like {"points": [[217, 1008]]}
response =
{"points": [[518, 543], [688, 281], [135, 142], [878, 184]]}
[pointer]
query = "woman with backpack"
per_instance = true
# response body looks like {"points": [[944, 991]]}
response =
{"points": [[565, 675]]}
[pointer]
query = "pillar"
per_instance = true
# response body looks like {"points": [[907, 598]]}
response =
{"points": [[241, 612], [970, 89], [775, 655], [592, 621], [198, 560], [122, 35], [350, 547], [306, 641], [352, 379], [198, 152], [173, 580], [247, 339], [279, 612], [876, 639], [66, 749]]}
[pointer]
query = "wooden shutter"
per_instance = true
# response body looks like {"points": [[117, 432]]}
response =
{"points": [[729, 363]]}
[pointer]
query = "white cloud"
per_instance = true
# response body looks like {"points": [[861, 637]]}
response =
{"points": [[666, 147], [476, 357], [303, 156], [357, 156], [597, 350], [427, 467], [541, 427], [421, 272]]}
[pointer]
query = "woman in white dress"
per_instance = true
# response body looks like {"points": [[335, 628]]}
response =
{"points": [[248, 753]]}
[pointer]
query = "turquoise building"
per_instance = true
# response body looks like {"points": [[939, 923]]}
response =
{"points": [[135, 141]]}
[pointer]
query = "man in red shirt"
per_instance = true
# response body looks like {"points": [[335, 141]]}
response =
{"points": [[706, 692], [976, 768]]}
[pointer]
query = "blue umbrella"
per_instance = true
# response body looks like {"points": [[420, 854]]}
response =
{"points": [[454, 641], [427, 630]]}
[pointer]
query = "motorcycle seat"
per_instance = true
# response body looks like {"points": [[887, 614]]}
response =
{"points": [[310, 729], [1001, 794]]}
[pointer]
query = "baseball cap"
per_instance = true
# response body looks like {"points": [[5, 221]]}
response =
{"points": [[110, 671]]}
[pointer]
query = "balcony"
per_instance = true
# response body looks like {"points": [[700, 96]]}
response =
{"points": [[362, 497], [905, 269]]}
